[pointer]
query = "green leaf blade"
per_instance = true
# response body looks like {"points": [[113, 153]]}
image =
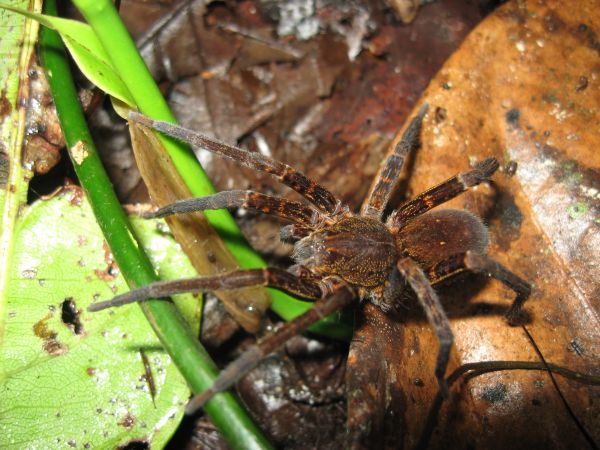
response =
{"points": [[58, 386], [87, 51]]}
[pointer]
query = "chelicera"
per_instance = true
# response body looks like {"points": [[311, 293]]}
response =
{"points": [[341, 256]]}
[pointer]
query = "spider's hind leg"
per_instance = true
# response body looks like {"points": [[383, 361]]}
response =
{"points": [[389, 174], [421, 283], [443, 192], [435, 315], [480, 263], [484, 264]]}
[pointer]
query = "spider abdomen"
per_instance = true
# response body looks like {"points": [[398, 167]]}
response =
{"points": [[359, 250], [439, 234]]}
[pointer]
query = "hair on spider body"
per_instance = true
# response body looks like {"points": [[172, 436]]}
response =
{"points": [[341, 256], [359, 250], [439, 234], [363, 251]]}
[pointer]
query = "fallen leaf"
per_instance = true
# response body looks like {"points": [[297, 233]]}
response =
{"points": [[522, 88]]}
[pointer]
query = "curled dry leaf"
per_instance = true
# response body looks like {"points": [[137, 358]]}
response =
{"points": [[523, 88], [200, 242]]}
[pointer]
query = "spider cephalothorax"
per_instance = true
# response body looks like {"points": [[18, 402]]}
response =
{"points": [[341, 256], [359, 250]]}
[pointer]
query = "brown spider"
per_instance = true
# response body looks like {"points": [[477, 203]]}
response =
{"points": [[340, 255]]}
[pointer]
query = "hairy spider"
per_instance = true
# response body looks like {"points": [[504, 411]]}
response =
{"points": [[341, 256]]}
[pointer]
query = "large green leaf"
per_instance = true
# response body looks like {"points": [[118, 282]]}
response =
{"points": [[87, 51], [72, 381]]}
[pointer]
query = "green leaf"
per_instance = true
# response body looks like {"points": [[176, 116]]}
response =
{"points": [[72, 380], [16, 47], [87, 51]]}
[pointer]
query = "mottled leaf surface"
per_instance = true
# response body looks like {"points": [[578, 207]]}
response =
{"points": [[523, 88]]}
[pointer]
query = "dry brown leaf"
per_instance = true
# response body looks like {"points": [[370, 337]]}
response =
{"points": [[524, 87]]}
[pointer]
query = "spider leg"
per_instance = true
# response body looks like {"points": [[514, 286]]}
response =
{"points": [[286, 209], [340, 296], [272, 277], [486, 265], [292, 233], [435, 315], [312, 191], [379, 196], [480, 263], [443, 192]]}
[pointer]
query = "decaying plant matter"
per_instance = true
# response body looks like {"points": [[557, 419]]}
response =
{"points": [[341, 256]]}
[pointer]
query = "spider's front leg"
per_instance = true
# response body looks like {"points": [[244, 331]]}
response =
{"points": [[271, 277], [286, 209], [436, 316], [320, 197], [331, 295]]}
